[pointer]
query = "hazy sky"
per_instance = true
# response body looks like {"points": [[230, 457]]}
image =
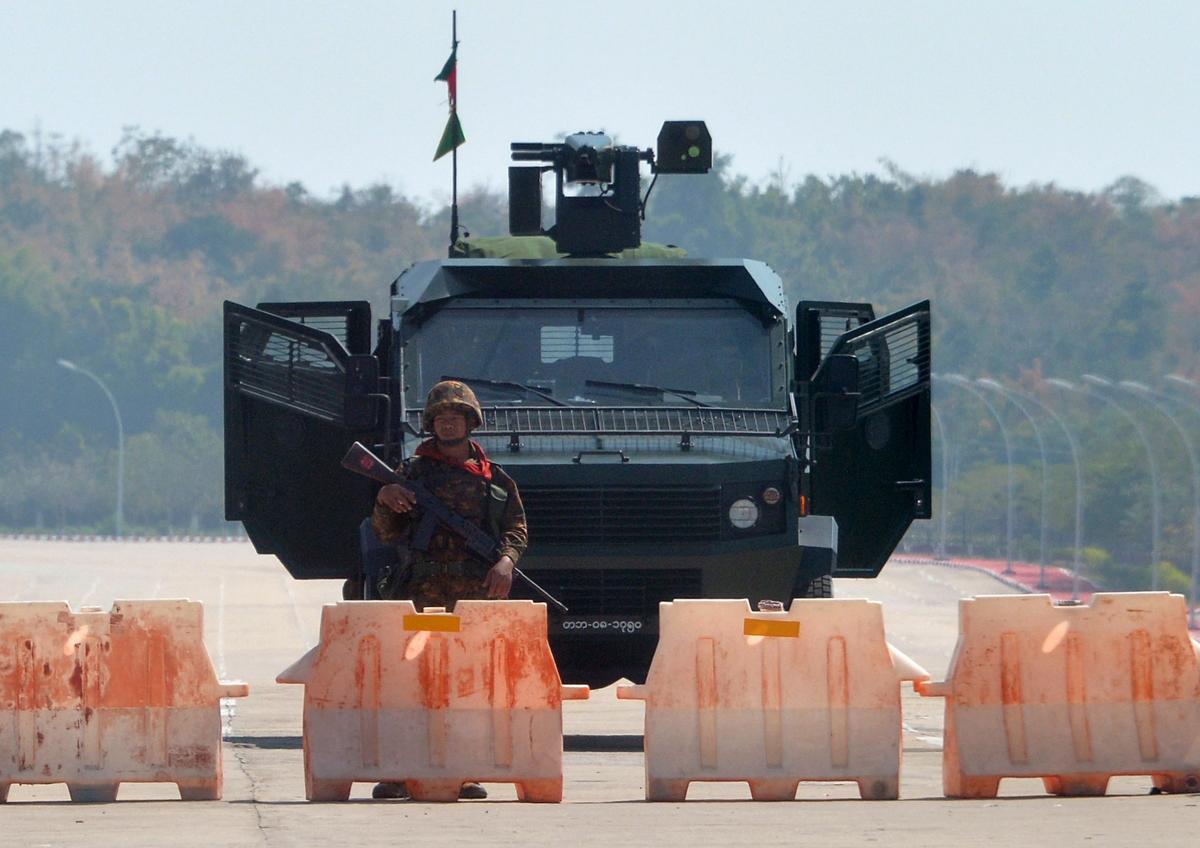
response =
{"points": [[1075, 93]]}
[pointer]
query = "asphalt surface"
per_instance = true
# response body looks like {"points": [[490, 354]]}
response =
{"points": [[258, 621]]}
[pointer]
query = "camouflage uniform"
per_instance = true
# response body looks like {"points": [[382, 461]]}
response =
{"points": [[448, 571]]}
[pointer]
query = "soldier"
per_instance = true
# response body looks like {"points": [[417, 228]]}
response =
{"points": [[458, 472]]}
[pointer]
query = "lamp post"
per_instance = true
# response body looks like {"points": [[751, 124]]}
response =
{"points": [[119, 518], [964, 383], [1192, 457], [1063, 384], [940, 553], [1180, 380], [1037, 432], [1155, 493]]}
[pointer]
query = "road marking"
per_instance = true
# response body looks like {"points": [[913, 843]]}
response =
{"points": [[928, 576], [935, 741], [228, 705], [26, 589], [305, 640], [91, 590]]}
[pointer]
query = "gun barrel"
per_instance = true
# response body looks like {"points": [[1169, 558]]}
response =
{"points": [[555, 601]]}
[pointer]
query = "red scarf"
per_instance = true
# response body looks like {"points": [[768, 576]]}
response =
{"points": [[478, 464]]}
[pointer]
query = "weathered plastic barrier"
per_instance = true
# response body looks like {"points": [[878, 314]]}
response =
{"points": [[773, 698], [94, 699], [1074, 695], [432, 699]]}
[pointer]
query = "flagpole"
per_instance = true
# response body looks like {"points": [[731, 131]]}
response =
{"points": [[454, 152]]}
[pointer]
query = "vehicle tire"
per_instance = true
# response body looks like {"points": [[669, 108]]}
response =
{"points": [[352, 589], [819, 587]]}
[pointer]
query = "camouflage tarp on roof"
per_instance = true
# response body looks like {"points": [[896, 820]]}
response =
{"points": [[542, 247]]}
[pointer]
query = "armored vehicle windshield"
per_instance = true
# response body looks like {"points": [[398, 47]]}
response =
{"points": [[606, 353]]}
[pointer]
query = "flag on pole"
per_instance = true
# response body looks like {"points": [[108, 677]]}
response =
{"points": [[452, 135], [449, 75]]}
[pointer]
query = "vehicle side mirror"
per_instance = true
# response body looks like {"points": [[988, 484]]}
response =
{"points": [[835, 394]]}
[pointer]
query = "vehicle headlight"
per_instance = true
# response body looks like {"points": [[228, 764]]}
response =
{"points": [[743, 513]]}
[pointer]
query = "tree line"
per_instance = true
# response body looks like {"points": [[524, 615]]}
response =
{"points": [[121, 265]]}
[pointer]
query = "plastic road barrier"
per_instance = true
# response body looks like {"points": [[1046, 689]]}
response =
{"points": [[773, 698], [1071, 694], [432, 699], [94, 699]]}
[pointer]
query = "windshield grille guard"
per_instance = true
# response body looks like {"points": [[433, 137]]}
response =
{"points": [[286, 363], [894, 357], [627, 420]]}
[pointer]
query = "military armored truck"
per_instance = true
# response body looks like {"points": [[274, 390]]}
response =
{"points": [[676, 430]]}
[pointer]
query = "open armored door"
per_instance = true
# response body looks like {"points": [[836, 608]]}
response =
{"points": [[295, 400], [872, 472]]}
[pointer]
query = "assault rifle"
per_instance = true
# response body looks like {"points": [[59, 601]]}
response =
{"points": [[434, 512]]}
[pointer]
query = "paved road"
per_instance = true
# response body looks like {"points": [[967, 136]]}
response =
{"points": [[258, 621]]}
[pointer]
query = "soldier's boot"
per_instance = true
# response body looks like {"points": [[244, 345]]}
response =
{"points": [[398, 791], [472, 792], [390, 791]]}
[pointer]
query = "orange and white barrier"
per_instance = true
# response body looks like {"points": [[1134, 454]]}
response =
{"points": [[94, 699], [1071, 694], [773, 698], [432, 699]]}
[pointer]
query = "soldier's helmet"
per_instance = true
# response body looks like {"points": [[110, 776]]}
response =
{"points": [[451, 395]]}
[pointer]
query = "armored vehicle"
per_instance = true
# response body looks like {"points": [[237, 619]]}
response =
{"points": [[675, 429]]}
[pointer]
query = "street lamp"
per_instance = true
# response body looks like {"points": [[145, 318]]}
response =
{"points": [[964, 383], [937, 419], [1155, 493], [1192, 457], [1037, 432], [1070, 387], [119, 519], [1180, 380]]}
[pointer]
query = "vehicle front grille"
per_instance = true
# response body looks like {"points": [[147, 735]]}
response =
{"points": [[615, 591], [598, 515]]}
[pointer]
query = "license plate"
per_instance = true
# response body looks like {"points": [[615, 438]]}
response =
{"points": [[601, 624]]}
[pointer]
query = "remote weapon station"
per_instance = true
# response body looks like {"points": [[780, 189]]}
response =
{"points": [[675, 429]]}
